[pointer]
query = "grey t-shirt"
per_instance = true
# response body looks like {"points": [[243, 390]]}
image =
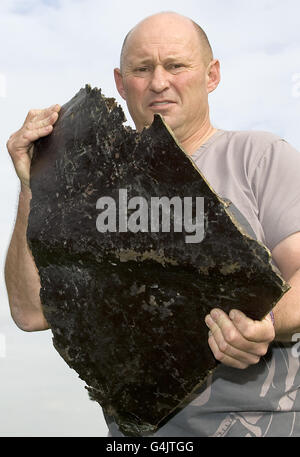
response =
{"points": [[258, 173]]}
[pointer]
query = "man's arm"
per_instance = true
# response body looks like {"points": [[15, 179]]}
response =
{"points": [[287, 311], [239, 341], [21, 275]]}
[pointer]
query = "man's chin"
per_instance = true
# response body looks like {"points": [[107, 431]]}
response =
{"points": [[167, 119]]}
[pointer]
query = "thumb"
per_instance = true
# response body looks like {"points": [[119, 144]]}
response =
{"points": [[253, 330]]}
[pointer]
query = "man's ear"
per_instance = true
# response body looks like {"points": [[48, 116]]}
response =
{"points": [[119, 82], [213, 75]]}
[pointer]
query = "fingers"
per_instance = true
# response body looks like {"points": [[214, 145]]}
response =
{"points": [[35, 129], [40, 114], [237, 340], [255, 331], [38, 123], [230, 356]]}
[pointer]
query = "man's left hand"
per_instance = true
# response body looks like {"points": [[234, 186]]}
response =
{"points": [[236, 340]]}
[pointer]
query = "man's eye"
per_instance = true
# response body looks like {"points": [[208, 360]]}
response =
{"points": [[176, 65], [141, 69]]}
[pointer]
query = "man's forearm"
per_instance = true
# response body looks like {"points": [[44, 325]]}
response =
{"points": [[287, 311], [21, 275]]}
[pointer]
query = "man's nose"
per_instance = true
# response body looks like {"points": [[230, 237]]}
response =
{"points": [[160, 79]]}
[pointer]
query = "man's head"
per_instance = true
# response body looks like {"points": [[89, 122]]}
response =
{"points": [[204, 43], [167, 67]]}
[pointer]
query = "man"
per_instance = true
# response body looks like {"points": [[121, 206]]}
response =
{"points": [[167, 67]]}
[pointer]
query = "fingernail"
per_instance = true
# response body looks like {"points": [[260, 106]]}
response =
{"points": [[214, 314], [207, 320], [232, 315]]}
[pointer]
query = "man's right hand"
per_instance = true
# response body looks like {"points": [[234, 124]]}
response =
{"points": [[21, 274], [38, 123]]}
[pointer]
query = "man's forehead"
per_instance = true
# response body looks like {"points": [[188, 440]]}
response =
{"points": [[147, 49], [158, 31], [166, 34], [157, 57], [149, 46]]}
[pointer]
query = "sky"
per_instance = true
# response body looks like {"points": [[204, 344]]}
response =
{"points": [[48, 51]]}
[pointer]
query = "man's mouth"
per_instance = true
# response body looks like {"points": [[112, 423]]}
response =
{"points": [[161, 103]]}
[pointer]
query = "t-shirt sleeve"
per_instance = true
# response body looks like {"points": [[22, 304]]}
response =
{"points": [[276, 184]]}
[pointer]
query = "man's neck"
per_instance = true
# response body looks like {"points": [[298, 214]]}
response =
{"points": [[194, 141]]}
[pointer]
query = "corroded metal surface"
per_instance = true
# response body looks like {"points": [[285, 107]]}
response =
{"points": [[127, 309]]}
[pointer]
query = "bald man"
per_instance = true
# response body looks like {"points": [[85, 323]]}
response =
{"points": [[167, 67]]}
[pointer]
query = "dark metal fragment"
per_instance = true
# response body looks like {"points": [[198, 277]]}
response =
{"points": [[127, 309]]}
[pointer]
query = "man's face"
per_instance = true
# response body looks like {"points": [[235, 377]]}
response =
{"points": [[164, 72]]}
